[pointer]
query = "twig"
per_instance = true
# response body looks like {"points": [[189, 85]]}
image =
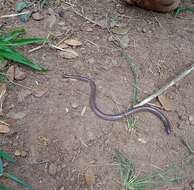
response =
{"points": [[165, 87], [81, 15], [86, 18], [14, 15]]}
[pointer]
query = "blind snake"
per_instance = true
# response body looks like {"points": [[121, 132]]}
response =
{"points": [[119, 116]]}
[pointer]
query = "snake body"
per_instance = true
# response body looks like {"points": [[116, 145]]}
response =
{"points": [[115, 117]]}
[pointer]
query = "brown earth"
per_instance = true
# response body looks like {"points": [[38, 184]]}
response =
{"points": [[60, 143]]}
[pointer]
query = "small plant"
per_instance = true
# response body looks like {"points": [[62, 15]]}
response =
{"points": [[8, 43], [131, 122], [5, 156], [134, 182], [180, 10]]}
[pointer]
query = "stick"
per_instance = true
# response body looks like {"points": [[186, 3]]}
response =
{"points": [[165, 87], [14, 15], [81, 15]]}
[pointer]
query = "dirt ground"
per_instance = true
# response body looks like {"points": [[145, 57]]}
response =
{"points": [[61, 143]]}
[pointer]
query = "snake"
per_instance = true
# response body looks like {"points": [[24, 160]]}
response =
{"points": [[123, 115]]}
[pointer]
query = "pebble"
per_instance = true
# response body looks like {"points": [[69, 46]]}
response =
{"points": [[37, 16], [144, 30], [89, 29], [52, 169], [18, 115], [62, 188], [19, 75], [74, 105], [191, 120]]}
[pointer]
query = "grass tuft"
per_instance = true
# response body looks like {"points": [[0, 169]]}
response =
{"points": [[133, 182], [8, 43], [5, 156], [131, 122]]}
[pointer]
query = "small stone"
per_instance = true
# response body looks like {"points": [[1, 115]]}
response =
{"points": [[144, 30], [19, 75], [37, 16], [74, 105], [62, 188], [18, 115], [191, 120], [52, 169], [61, 23], [89, 29]]}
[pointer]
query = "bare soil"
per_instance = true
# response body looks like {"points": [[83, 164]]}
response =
{"points": [[62, 144]]}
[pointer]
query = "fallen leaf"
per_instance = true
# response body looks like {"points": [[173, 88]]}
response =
{"points": [[166, 103], [4, 129], [73, 42], [43, 141], [63, 45], [90, 178], [39, 92], [68, 54], [3, 93], [120, 30], [37, 16], [21, 153]]}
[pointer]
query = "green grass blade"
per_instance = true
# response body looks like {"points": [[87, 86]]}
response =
{"points": [[22, 42], [180, 10], [188, 146], [7, 156], [1, 167], [18, 180], [4, 187], [14, 34], [13, 55]]}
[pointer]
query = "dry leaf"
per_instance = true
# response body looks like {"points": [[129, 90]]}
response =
{"points": [[73, 42], [39, 92], [69, 54], [63, 45], [120, 30], [90, 178], [166, 103], [21, 153], [4, 129], [3, 93]]}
